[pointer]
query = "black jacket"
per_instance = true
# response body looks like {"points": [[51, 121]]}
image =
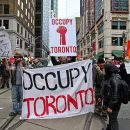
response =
{"points": [[111, 88], [55, 62]]}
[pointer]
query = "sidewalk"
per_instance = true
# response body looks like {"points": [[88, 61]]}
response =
{"points": [[72, 123], [97, 123]]}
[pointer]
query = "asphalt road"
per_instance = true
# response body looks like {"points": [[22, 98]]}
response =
{"points": [[124, 117]]}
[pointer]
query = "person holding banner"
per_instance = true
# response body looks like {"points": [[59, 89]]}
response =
{"points": [[63, 60], [110, 93], [16, 90]]}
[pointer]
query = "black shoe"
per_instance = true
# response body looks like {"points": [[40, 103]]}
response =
{"points": [[12, 114], [1, 87], [19, 113], [103, 129]]}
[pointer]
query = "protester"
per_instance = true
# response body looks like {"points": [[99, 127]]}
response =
{"points": [[4, 73], [98, 76], [111, 94], [62, 60], [16, 90]]}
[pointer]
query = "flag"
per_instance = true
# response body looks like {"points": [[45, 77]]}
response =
{"points": [[128, 49]]}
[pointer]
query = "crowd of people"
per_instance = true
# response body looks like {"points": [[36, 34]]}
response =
{"points": [[107, 74]]}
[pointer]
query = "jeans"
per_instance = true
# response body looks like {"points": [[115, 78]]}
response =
{"points": [[113, 122], [17, 98]]}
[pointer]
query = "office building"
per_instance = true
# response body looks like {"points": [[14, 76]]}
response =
{"points": [[110, 30], [18, 17]]}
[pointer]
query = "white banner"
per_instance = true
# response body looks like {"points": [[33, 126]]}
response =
{"points": [[5, 44], [58, 92], [62, 37]]}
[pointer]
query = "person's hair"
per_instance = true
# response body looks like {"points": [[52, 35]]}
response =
{"points": [[100, 61]]}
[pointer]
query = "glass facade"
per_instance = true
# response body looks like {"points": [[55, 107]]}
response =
{"points": [[100, 30], [98, 9], [119, 5], [46, 16], [54, 7]]}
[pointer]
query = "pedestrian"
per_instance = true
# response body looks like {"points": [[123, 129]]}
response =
{"points": [[110, 93], [62, 60], [5, 73], [16, 90], [98, 76]]}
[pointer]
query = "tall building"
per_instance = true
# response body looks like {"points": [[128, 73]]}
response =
{"points": [[110, 30], [54, 8], [18, 18], [44, 10], [87, 21], [39, 50], [72, 8]]}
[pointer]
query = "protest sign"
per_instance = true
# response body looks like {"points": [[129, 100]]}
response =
{"points": [[58, 92], [5, 44], [62, 37]]}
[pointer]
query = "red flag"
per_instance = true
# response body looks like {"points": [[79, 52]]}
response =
{"points": [[94, 47], [128, 49]]}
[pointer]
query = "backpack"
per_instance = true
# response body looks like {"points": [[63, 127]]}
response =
{"points": [[124, 92]]}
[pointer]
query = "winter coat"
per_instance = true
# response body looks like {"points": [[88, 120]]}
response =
{"points": [[111, 86]]}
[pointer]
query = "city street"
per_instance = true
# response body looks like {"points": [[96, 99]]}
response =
{"points": [[8, 123], [84, 122]]}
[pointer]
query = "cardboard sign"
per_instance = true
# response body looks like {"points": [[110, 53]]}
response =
{"points": [[62, 37], [5, 44]]}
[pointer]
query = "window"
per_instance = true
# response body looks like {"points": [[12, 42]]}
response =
{"points": [[22, 5], [18, 2], [21, 43], [119, 5], [29, 5], [6, 9], [100, 29], [38, 20], [26, 45], [100, 43], [0, 22], [18, 13], [25, 34], [21, 30], [28, 15], [38, 6], [1, 9], [17, 27], [120, 25], [26, 12], [21, 15], [6, 24], [17, 43], [114, 25], [117, 41], [38, 31]]}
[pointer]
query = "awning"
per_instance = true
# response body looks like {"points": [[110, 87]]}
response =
{"points": [[100, 55], [117, 53]]}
